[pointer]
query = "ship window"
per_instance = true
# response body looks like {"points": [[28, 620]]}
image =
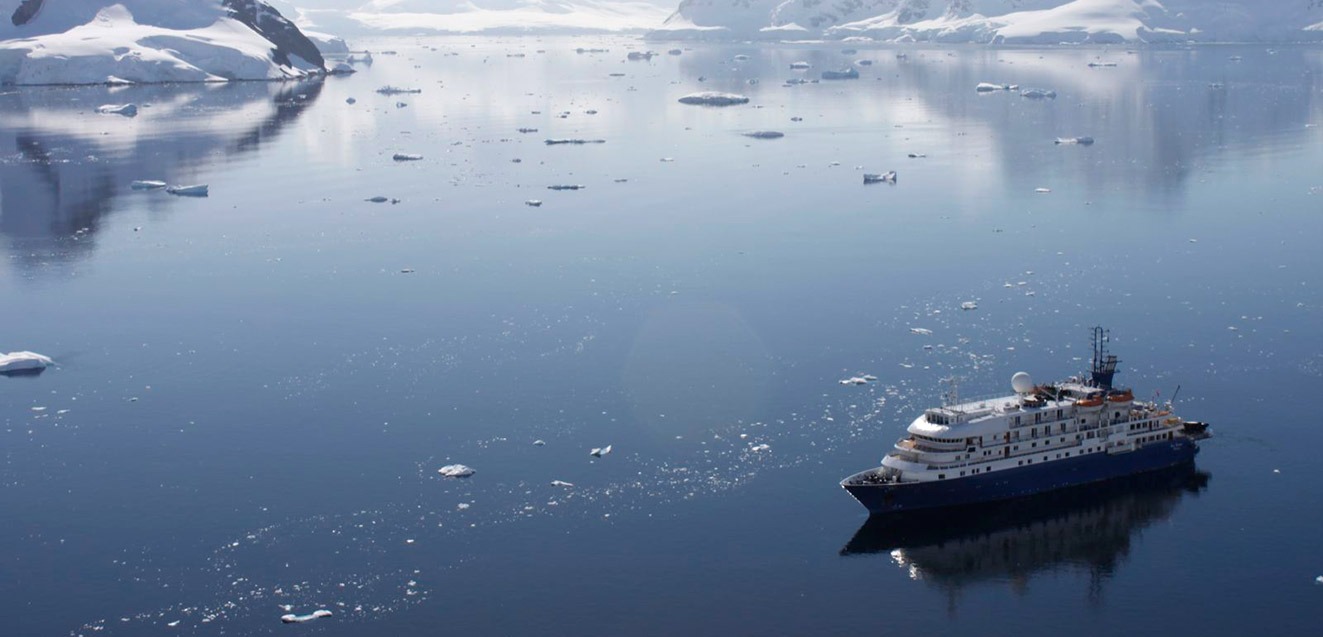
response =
{"points": [[1059, 415], [941, 476], [1020, 463], [962, 473], [1067, 454], [1034, 445]]}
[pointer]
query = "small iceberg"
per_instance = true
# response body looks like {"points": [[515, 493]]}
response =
{"points": [[456, 471], [147, 184], [526, 130], [395, 90], [565, 187], [299, 619], [557, 142], [536, 203], [988, 87], [969, 305], [640, 55], [877, 178], [342, 68], [844, 74], [800, 66], [714, 98], [921, 331], [194, 190], [760, 448], [674, 52], [598, 452], [127, 110], [854, 380], [765, 134], [1038, 93], [406, 157], [23, 363], [561, 483], [1083, 141], [864, 62]]}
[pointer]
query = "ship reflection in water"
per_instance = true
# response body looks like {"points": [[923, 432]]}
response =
{"points": [[1088, 527]]}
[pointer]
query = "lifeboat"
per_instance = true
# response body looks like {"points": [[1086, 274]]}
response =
{"points": [[1123, 396], [1090, 402]]}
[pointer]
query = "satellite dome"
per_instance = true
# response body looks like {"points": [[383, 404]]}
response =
{"points": [[1022, 383]]}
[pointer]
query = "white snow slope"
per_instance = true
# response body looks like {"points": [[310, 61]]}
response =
{"points": [[99, 41], [347, 17], [1000, 21]]}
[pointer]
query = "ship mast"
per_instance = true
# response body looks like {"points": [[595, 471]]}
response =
{"points": [[1103, 364]]}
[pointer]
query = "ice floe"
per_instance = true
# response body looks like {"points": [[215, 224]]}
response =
{"points": [[23, 362], [557, 142], [850, 73], [127, 110], [191, 190], [714, 98], [1083, 141], [396, 90], [765, 134], [922, 331], [877, 178], [533, 202], [299, 619], [969, 305], [406, 157], [1038, 93], [989, 87], [561, 483], [565, 187], [598, 452], [456, 471], [147, 184]]}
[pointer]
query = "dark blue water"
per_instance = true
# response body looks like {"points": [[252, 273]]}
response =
{"points": [[261, 384]]}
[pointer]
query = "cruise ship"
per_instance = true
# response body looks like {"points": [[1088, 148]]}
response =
{"points": [[1040, 438]]}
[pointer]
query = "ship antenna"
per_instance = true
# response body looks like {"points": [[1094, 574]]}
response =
{"points": [[1172, 401], [953, 394], [1103, 367]]}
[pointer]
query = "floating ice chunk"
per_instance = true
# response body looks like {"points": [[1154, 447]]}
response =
{"points": [[922, 331], [527, 130], [565, 187], [741, 57], [1042, 191], [640, 55], [556, 142], [456, 471], [598, 452], [173, 624], [561, 483], [395, 90], [714, 98], [299, 619], [969, 305], [350, 100], [916, 155], [864, 62], [127, 110], [1096, 65], [406, 157], [342, 68], [539, 443], [765, 134], [533, 202], [1319, 579], [799, 66], [1083, 141], [146, 184], [854, 380], [381, 199], [194, 190], [674, 52], [877, 178], [850, 73], [988, 87], [760, 448], [1038, 93]]}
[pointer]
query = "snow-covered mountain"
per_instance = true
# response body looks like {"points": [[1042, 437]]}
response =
{"points": [[99, 41], [1000, 21], [354, 17]]}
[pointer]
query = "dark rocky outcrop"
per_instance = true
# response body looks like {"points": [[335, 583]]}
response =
{"points": [[26, 11], [265, 20]]}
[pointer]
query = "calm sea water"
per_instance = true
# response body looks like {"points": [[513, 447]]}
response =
{"points": [[256, 388]]}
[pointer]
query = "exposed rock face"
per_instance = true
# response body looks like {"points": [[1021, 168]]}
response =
{"points": [[268, 22], [25, 11]]}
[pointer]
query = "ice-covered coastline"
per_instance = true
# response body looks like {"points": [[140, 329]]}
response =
{"points": [[150, 41], [1030, 22]]}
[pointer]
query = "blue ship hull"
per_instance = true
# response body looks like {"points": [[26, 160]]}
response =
{"points": [[1005, 484]]}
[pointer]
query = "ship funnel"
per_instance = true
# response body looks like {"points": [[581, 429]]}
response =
{"points": [[1022, 383]]}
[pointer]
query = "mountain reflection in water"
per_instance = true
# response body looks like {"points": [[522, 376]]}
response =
{"points": [[63, 166], [1090, 527]]}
